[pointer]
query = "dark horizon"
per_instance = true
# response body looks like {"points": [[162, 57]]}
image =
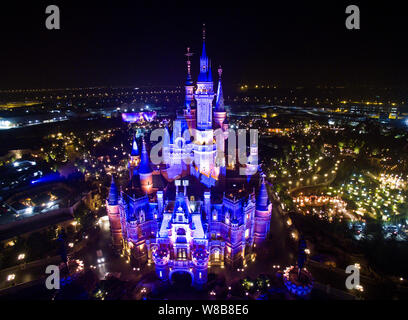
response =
{"points": [[130, 45]]}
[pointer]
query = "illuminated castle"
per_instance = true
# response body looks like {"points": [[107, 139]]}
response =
{"points": [[185, 217]]}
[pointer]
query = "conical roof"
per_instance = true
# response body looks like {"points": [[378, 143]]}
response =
{"points": [[262, 199], [113, 194], [144, 162]]}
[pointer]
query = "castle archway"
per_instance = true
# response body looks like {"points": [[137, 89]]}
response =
{"points": [[181, 278]]}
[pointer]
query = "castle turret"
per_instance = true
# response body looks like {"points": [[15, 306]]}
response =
{"points": [[204, 149], [112, 208], [200, 257], [134, 158], [204, 94], [219, 112], [263, 213], [145, 172]]}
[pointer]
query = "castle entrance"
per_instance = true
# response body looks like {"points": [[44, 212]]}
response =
{"points": [[181, 279]]}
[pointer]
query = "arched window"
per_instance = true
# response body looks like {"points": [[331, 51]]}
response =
{"points": [[181, 232], [141, 216], [215, 215], [227, 217], [216, 255]]}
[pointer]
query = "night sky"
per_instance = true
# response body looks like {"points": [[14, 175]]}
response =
{"points": [[134, 43]]}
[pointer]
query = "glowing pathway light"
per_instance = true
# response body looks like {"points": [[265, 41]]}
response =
{"points": [[21, 256], [11, 277]]}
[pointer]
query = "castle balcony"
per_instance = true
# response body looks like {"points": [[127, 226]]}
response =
{"points": [[181, 264], [217, 243]]}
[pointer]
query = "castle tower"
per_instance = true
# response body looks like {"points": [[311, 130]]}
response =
{"points": [[263, 213], [204, 94], [145, 172], [189, 111], [112, 208], [204, 149], [134, 158], [200, 257], [219, 112]]}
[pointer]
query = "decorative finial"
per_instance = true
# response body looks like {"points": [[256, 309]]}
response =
{"points": [[219, 72], [203, 31], [188, 55]]}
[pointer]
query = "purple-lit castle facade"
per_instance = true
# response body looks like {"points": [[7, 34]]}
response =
{"points": [[188, 217]]}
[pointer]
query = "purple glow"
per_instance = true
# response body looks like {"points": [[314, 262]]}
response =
{"points": [[139, 116]]}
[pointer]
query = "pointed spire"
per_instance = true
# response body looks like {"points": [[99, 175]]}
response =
{"points": [[219, 105], [135, 149], [204, 65], [113, 194], [262, 199], [144, 162]]}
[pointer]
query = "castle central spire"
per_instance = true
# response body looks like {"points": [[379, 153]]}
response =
{"points": [[204, 63]]}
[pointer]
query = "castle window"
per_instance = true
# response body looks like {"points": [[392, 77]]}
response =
{"points": [[199, 275], [246, 233], [141, 216], [217, 255], [181, 254], [215, 215]]}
